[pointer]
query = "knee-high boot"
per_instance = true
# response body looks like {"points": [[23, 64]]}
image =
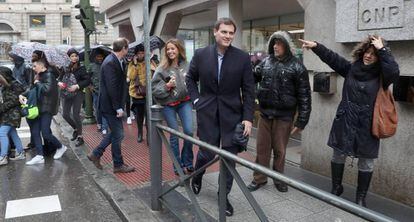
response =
{"points": [[337, 171], [364, 179]]}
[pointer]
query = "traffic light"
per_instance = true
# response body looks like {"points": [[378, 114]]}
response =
{"points": [[87, 16]]}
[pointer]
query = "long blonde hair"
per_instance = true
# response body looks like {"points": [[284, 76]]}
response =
{"points": [[167, 62]]}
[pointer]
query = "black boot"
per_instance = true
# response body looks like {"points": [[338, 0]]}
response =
{"points": [[337, 171], [364, 179], [74, 135], [79, 142], [139, 139]]}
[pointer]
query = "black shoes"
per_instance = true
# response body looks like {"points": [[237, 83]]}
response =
{"points": [[281, 187], [196, 184], [79, 142], [139, 139], [74, 135], [229, 208], [253, 186]]}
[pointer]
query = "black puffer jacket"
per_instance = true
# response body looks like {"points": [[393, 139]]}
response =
{"points": [[284, 84], [351, 131]]}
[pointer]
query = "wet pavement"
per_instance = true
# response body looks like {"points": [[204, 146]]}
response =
{"points": [[79, 197]]}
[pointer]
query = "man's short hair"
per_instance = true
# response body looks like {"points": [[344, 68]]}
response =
{"points": [[119, 44], [226, 21]]}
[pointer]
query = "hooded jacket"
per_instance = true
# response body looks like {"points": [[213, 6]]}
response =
{"points": [[21, 71], [9, 102], [283, 84]]}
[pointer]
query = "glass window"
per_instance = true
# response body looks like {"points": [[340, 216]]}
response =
{"points": [[68, 1], [2, 0], [35, 0], [99, 18], [66, 21], [37, 21], [39, 41]]}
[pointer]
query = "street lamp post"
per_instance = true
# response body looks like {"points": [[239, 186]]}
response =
{"points": [[87, 20]]}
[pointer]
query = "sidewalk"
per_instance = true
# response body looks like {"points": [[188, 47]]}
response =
{"points": [[133, 188]]}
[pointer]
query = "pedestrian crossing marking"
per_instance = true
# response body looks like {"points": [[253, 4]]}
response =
{"points": [[23, 135], [32, 206]]}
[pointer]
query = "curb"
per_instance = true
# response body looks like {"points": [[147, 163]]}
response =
{"points": [[127, 205]]}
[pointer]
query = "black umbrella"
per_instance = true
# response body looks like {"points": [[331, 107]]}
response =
{"points": [[155, 43], [96, 49]]}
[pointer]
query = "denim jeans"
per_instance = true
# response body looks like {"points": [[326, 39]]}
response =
{"points": [[98, 114], [5, 132], [184, 112], [114, 137], [40, 128]]}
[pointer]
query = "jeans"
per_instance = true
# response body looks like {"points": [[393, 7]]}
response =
{"points": [[5, 132], [71, 111], [40, 127], [185, 113], [114, 137], [98, 114], [364, 164]]}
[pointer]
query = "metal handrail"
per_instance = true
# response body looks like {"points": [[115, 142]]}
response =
{"points": [[301, 186]]}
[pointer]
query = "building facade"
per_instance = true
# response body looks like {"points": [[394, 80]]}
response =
{"points": [[48, 21], [339, 24]]}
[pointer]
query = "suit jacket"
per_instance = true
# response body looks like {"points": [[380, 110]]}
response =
{"points": [[225, 103], [112, 86]]}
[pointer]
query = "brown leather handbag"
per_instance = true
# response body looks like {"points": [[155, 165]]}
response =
{"points": [[385, 119]]}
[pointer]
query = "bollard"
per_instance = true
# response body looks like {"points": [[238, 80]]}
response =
{"points": [[155, 158]]}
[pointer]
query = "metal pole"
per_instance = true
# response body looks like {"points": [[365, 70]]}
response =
{"points": [[156, 159], [89, 118], [147, 65], [222, 192], [313, 191]]}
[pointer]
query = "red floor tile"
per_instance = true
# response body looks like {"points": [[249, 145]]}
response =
{"points": [[137, 155]]}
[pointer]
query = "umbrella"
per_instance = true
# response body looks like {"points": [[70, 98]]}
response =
{"points": [[53, 56], [105, 50], [155, 43]]}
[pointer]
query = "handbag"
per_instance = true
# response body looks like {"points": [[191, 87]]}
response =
{"points": [[69, 80], [385, 119], [140, 90], [30, 110], [239, 139]]}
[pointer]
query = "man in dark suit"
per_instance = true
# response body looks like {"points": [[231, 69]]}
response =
{"points": [[222, 71], [111, 102]]}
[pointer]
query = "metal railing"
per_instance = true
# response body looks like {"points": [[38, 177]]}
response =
{"points": [[158, 192]]}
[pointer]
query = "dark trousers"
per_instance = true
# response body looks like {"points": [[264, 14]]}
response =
{"points": [[128, 104], [140, 112], [272, 135], [40, 127], [114, 137], [71, 111], [205, 156]]}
